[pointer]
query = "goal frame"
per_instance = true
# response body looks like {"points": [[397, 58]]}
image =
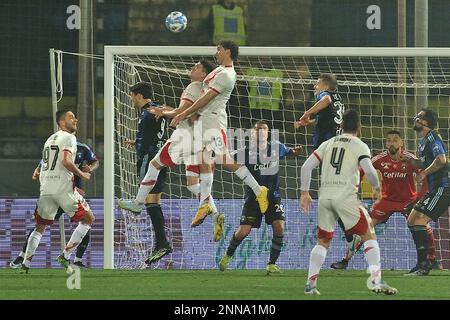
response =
{"points": [[111, 51]]}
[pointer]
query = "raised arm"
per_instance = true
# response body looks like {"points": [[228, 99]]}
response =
{"points": [[318, 106]]}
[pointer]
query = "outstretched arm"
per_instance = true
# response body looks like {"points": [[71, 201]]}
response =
{"points": [[318, 106], [196, 106]]}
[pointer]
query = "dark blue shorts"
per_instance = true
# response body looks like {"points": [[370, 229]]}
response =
{"points": [[251, 214]]}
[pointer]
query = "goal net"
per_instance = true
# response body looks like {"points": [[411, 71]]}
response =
{"points": [[387, 86]]}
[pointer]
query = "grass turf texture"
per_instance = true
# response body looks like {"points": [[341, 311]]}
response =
{"points": [[213, 284]]}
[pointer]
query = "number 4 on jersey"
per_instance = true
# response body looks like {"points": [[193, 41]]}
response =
{"points": [[337, 163]]}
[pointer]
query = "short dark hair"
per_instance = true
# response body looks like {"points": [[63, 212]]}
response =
{"points": [[60, 114], [144, 88], [330, 80], [430, 117], [394, 132], [207, 65], [230, 45], [351, 121]]}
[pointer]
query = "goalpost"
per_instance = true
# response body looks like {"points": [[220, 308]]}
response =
{"points": [[382, 83]]}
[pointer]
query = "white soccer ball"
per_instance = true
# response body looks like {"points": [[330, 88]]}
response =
{"points": [[176, 21]]}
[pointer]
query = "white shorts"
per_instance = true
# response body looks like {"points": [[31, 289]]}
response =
{"points": [[72, 203], [179, 148], [187, 143], [213, 135], [354, 216]]}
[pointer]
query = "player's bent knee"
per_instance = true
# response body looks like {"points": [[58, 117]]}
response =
{"points": [[88, 218], [368, 236], [278, 228], [325, 242], [156, 164], [413, 218], [242, 232], [40, 228]]}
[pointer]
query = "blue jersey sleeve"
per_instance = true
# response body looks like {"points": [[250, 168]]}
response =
{"points": [[437, 148], [321, 95], [89, 155], [284, 150]]}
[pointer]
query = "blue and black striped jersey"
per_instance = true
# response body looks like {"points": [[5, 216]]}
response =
{"points": [[328, 120], [429, 148], [151, 133]]}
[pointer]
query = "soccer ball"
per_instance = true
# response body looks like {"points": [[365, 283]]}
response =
{"points": [[176, 21]]}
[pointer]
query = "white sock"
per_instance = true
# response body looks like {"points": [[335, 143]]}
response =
{"points": [[22, 254], [147, 183], [77, 235], [213, 205], [244, 174], [316, 259], [372, 254], [206, 181], [76, 259], [33, 243], [195, 189]]}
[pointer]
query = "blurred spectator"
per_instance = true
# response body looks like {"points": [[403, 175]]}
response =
{"points": [[227, 22], [265, 92]]}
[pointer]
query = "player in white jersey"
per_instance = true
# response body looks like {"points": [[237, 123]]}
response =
{"points": [[341, 157], [57, 189], [179, 147], [211, 123], [211, 108]]}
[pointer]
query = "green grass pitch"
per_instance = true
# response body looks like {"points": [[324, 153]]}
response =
{"points": [[213, 284]]}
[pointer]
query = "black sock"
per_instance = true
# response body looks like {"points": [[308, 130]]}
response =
{"points": [[24, 248], [156, 215], [348, 238], [420, 237], [234, 243], [83, 245], [275, 249]]}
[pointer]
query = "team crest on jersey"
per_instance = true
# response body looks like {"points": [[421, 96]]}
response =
{"points": [[385, 165], [403, 166]]}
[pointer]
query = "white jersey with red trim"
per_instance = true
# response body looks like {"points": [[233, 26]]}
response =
{"points": [[192, 92], [222, 80], [54, 177], [340, 157]]}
